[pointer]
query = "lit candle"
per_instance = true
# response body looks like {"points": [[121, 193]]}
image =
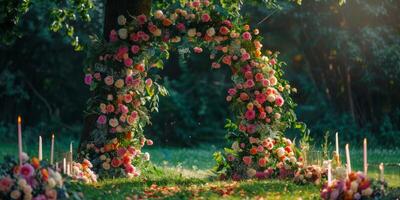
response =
{"points": [[365, 157], [337, 143], [381, 168], [329, 172], [70, 149], [64, 166], [52, 150], [40, 148], [348, 159], [19, 140]]}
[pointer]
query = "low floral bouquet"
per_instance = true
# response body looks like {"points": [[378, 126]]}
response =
{"points": [[32, 179], [354, 186], [82, 172]]}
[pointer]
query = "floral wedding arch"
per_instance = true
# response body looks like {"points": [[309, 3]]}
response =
{"points": [[121, 75]]}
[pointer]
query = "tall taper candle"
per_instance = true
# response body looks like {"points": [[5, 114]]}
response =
{"points": [[64, 166], [365, 157], [348, 159], [52, 150], [329, 172], [337, 143], [40, 149], [381, 176], [19, 140]]}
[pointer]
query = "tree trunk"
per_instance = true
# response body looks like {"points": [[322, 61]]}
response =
{"points": [[113, 9]]}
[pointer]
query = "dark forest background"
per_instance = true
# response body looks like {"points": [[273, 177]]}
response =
{"points": [[344, 61]]}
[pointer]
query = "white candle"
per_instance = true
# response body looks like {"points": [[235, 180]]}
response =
{"points": [[56, 166], [19, 140], [348, 159], [52, 150], [381, 168], [365, 157], [337, 143], [40, 149], [329, 172], [64, 166], [68, 170]]}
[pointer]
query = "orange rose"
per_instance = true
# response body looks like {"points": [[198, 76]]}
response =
{"points": [[45, 174], [253, 151], [167, 22], [35, 162]]}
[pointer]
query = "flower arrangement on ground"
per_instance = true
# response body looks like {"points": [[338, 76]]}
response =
{"points": [[82, 172], [30, 180], [352, 186]]}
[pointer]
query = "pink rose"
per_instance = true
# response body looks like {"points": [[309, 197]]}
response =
{"points": [[102, 119], [248, 75], [215, 65], [113, 36], [250, 114], [97, 76], [130, 120], [110, 108], [279, 101], [261, 98], [141, 19], [250, 83], [246, 36], [232, 91], [124, 109], [230, 157], [109, 80], [253, 140], [223, 30], [116, 162], [135, 49], [251, 128], [205, 17], [129, 169], [180, 26], [262, 115], [246, 160], [127, 98], [128, 62], [227, 23], [198, 49], [260, 148], [245, 56], [265, 82], [272, 61], [113, 122], [129, 80], [134, 37], [88, 79], [149, 142], [27, 171], [6, 184], [121, 151]]}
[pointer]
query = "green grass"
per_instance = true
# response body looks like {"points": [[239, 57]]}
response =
{"points": [[184, 173]]}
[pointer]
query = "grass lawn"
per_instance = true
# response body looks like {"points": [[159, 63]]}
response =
{"points": [[183, 173]]}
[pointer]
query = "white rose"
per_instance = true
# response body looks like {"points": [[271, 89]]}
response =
{"points": [[51, 183], [106, 165], [192, 32], [123, 33], [293, 159], [22, 183], [271, 98], [121, 20], [27, 189], [251, 172], [16, 194], [280, 152], [158, 14], [211, 32]]}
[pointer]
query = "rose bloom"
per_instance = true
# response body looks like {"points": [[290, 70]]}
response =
{"points": [[223, 30], [244, 96], [191, 32], [27, 171], [123, 33], [250, 114], [227, 60], [210, 32], [116, 162], [279, 101], [127, 98], [232, 91], [262, 162], [110, 108], [135, 49], [246, 36], [101, 119], [129, 169], [88, 79], [215, 65], [245, 56], [158, 14], [16, 194], [6, 184], [253, 140], [109, 80], [205, 17], [230, 157], [113, 122], [250, 83], [121, 20], [141, 19], [246, 160], [113, 36], [149, 142], [198, 49], [119, 83], [248, 75]]}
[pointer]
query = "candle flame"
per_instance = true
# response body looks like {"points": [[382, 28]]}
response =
{"points": [[52, 136], [19, 119], [381, 166]]}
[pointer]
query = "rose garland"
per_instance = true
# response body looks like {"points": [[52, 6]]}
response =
{"points": [[121, 75]]}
